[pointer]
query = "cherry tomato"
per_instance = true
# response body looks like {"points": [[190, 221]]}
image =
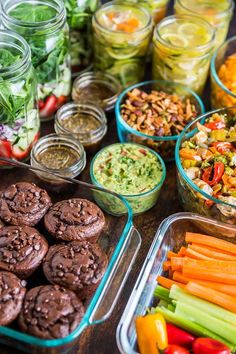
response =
{"points": [[5, 150], [40, 104], [209, 346], [176, 349], [49, 107], [61, 100], [19, 154]]}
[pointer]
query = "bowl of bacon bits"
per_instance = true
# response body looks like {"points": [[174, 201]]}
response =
{"points": [[154, 113]]}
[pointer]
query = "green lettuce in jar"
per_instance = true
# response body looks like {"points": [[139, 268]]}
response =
{"points": [[79, 18], [122, 34], [43, 25], [131, 170]]}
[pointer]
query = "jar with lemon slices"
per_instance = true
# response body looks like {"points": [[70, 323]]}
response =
{"points": [[217, 12], [182, 50], [122, 33], [157, 8]]}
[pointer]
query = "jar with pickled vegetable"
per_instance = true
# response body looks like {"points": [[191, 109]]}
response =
{"points": [[217, 13], [43, 24], [157, 8], [79, 18], [19, 119], [122, 33], [182, 50]]}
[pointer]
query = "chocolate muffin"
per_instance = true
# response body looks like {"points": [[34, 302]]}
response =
{"points": [[78, 265], [23, 203], [50, 312], [75, 219], [22, 249], [12, 292]]}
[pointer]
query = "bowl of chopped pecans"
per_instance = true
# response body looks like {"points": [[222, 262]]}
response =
{"points": [[154, 113]]}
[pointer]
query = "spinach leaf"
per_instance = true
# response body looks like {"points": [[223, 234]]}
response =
{"points": [[31, 13], [7, 58]]}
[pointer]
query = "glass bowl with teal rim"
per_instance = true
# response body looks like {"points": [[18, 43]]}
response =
{"points": [[168, 118], [223, 67], [206, 161], [134, 171]]}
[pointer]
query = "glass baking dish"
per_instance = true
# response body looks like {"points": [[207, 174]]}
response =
{"points": [[169, 236], [121, 242]]}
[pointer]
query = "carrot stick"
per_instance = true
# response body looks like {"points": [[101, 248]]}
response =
{"points": [[210, 264], [226, 301], [167, 283], [209, 275], [196, 255], [212, 252], [210, 241], [171, 254], [179, 277], [182, 251], [177, 263], [166, 266]]}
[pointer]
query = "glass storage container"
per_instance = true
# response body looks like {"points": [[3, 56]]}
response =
{"points": [[19, 118], [182, 48], [43, 24], [217, 13], [169, 236], [79, 18], [121, 242], [223, 75], [122, 33]]}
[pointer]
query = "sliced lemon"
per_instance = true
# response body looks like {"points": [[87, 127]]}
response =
{"points": [[122, 53], [175, 39]]}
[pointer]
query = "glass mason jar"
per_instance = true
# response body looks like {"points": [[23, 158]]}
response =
{"points": [[43, 24], [182, 50], [122, 33], [79, 18], [217, 13], [19, 118]]}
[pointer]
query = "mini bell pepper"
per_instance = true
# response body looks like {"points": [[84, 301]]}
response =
{"points": [[215, 125], [151, 333], [179, 337], [218, 172], [209, 346]]}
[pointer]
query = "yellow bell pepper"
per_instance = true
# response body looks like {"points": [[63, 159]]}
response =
{"points": [[151, 333]]}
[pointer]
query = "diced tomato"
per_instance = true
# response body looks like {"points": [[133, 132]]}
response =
{"points": [[176, 349], [49, 107], [223, 146], [215, 125], [19, 154], [209, 346]]}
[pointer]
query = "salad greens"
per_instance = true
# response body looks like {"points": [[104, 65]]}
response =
{"points": [[7, 58], [30, 13]]}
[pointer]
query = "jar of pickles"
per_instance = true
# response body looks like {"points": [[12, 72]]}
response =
{"points": [[122, 33], [19, 119], [79, 18], [182, 50], [217, 13], [43, 24]]}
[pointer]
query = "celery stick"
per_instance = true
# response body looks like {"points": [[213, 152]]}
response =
{"points": [[162, 293], [191, 327], [180, 294], [202, 318]]}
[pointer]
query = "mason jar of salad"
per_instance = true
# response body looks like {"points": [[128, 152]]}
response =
{"points": [[19, 119], [122, 33], [182, 50], [43, 24], [79, 18], [157, 8], [217, 13]]}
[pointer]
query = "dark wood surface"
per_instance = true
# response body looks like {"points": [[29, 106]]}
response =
{"points": [[101, 339]]}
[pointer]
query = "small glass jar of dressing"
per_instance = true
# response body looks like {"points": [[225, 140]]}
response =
{"points": [[61, 154], [99, 87], [85, 122]]}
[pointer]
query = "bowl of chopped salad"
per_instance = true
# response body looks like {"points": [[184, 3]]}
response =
{"points": [[154, 113], [206, 165]]}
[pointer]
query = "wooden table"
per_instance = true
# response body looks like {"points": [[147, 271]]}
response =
{"points": [[101, 339]]}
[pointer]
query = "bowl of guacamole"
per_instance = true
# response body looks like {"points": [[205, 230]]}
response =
{"points": [[134, 171]]}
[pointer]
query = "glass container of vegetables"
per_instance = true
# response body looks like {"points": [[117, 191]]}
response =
{"points": [[206, 164], [223, 75], [43, 24], [79, 18], [122, 33], [86, 122], [19, 118], [182, 50], [217, 13], [98, 87]]}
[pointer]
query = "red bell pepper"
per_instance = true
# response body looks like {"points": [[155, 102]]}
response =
{"points": [[223, 147], [179, 337], [209, 346], [176, 349], [215, 125], [218, 172]]}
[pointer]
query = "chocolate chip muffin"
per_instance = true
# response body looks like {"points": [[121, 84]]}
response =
{"points": [[12, 292], [22, 249], [77, 265], [50, 312], [23, 203], [75, 219]]}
